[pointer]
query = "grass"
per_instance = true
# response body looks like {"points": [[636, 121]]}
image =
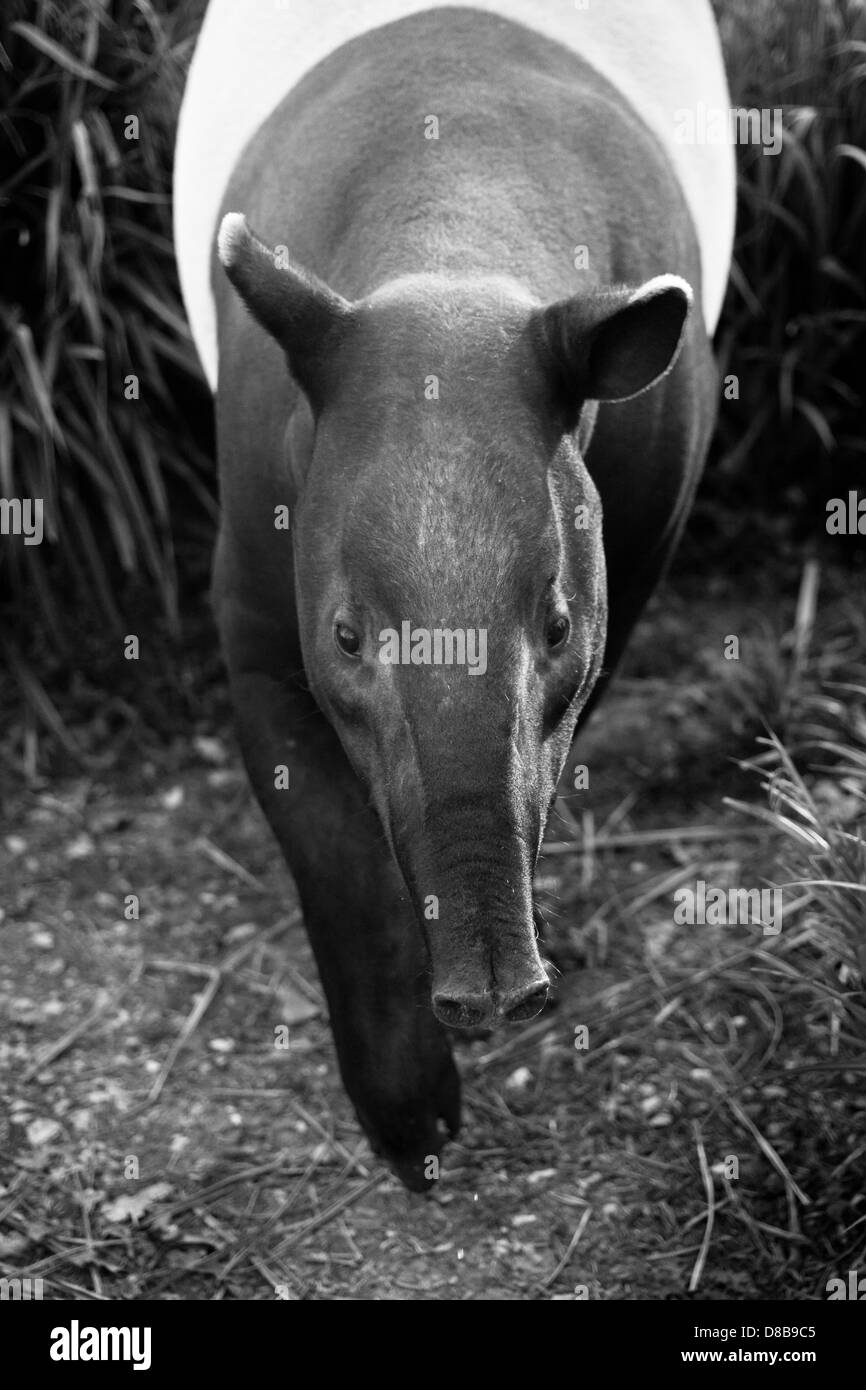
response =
{"points": [[795, 316], [812, 773], [89, 301]]}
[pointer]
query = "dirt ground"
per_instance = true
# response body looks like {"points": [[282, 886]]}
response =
{"points": [[157, 1143]]}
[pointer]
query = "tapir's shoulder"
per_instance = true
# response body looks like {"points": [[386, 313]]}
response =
{"points": [[661, 56]]}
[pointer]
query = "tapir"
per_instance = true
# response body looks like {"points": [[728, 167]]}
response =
{"points": [[452, 274]]}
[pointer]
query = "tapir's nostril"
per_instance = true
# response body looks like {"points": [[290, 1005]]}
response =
{"points": [[463, 1011], [524, 1003]]}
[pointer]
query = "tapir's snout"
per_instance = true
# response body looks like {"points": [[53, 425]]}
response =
{"points": [[460, 1008], [469, 864], [468, 994], [486, 974]]}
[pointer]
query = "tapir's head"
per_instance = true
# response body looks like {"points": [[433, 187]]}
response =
{"points": [[449, 569]]}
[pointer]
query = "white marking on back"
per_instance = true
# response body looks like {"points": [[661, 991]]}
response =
{"points": [[663, 55]]}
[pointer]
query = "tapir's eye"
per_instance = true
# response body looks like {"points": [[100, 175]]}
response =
{"points": [[558, 629], [347, 639]]}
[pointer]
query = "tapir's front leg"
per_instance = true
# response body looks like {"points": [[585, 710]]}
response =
{"points": [[394, 1056]]}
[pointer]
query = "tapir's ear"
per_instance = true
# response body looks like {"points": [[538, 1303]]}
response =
{"points": [[294, 306], [611, 344]]}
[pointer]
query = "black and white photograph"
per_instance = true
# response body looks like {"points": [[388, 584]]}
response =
{"points": [[433, 669]]}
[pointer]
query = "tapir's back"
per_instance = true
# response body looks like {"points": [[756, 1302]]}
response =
{"points": [[663, 56]]}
